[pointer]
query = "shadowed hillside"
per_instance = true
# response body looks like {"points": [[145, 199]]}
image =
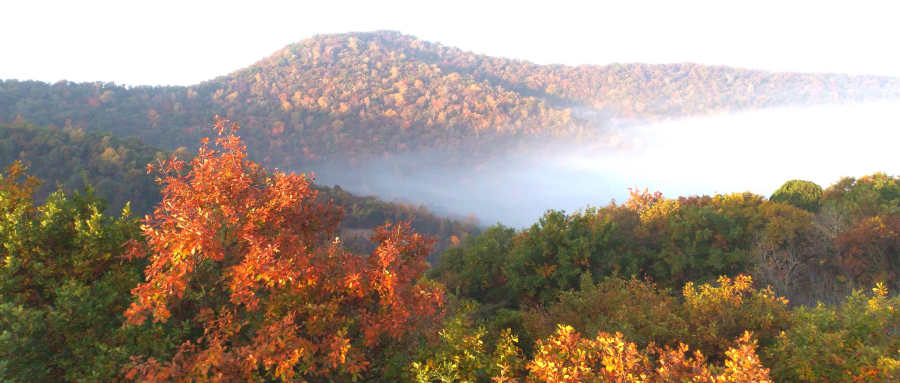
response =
{"points": [[117, 169]]}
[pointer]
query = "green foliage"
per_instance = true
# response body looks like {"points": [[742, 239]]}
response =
{"points": [[115, 166], [461, 355], [552, 255], [641, 312], [475, 270], [700, 238], [805, 195], [858, 341], [672, 242], [64, 288], [871, 195]]}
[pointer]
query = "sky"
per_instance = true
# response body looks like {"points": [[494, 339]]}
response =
{"points": [[185, 42]]}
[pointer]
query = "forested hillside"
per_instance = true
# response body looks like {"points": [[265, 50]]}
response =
{"points": [[117, 169], [356, 96]]}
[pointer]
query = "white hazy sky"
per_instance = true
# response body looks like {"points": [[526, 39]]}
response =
{"points": [[184, 42]]}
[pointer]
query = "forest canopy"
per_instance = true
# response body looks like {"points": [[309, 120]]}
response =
{"points": [[239, 275]]}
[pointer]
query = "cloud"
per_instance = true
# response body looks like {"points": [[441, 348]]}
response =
{"points": [[752, 151]]}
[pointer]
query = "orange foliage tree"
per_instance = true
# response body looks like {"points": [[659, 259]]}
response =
{"points": [[249, 259]]}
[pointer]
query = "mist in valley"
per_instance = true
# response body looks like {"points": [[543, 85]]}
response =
{"points": [[752, 151]]}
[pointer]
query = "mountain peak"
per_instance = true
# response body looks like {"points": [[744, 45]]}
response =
{"points": [[360, 95]]}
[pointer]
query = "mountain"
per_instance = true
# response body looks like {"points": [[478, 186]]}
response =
{"points": [[357, 96]]}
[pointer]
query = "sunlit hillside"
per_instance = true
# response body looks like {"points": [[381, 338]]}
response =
{"points": [[357, 96]]}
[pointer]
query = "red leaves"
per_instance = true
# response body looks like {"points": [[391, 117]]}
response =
{"points": [[251, 257]]}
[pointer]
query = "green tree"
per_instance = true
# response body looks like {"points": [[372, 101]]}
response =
{"points": [[64, 287], [857, 341], [552, 254], [805, 195], [475, 268]]}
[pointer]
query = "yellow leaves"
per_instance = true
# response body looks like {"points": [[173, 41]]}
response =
{"points": [[659, 210], [111, 156], [566, 357], [727, 292]]}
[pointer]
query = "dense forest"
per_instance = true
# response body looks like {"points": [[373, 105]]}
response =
{"points": [[70, 157], [357, 96], [241, 274]]}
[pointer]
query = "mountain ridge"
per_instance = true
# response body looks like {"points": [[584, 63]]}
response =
{"points": [[358, 96]]}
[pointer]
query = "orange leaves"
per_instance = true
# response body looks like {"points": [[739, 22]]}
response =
{"points": [[251, 257], [13, 188], [642, 200]]}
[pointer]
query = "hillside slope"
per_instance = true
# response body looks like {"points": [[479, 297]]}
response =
{"points": [[356, 96], [117, 169]]}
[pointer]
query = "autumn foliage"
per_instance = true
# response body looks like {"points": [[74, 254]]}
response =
{"points": [[243, 274], [567, 357], [249, 258], [358, 96]]}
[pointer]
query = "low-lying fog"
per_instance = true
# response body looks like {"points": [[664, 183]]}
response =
{"points": [[755, 151]]}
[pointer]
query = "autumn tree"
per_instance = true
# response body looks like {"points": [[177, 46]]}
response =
{"points": [[249, 258]]}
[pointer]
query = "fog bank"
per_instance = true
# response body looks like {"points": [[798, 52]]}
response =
{"points": [[752, 151]]}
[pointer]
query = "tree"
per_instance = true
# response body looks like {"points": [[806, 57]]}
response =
{"points": [[64, 287], [250, 259], [805, 195], [855, 341]]}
